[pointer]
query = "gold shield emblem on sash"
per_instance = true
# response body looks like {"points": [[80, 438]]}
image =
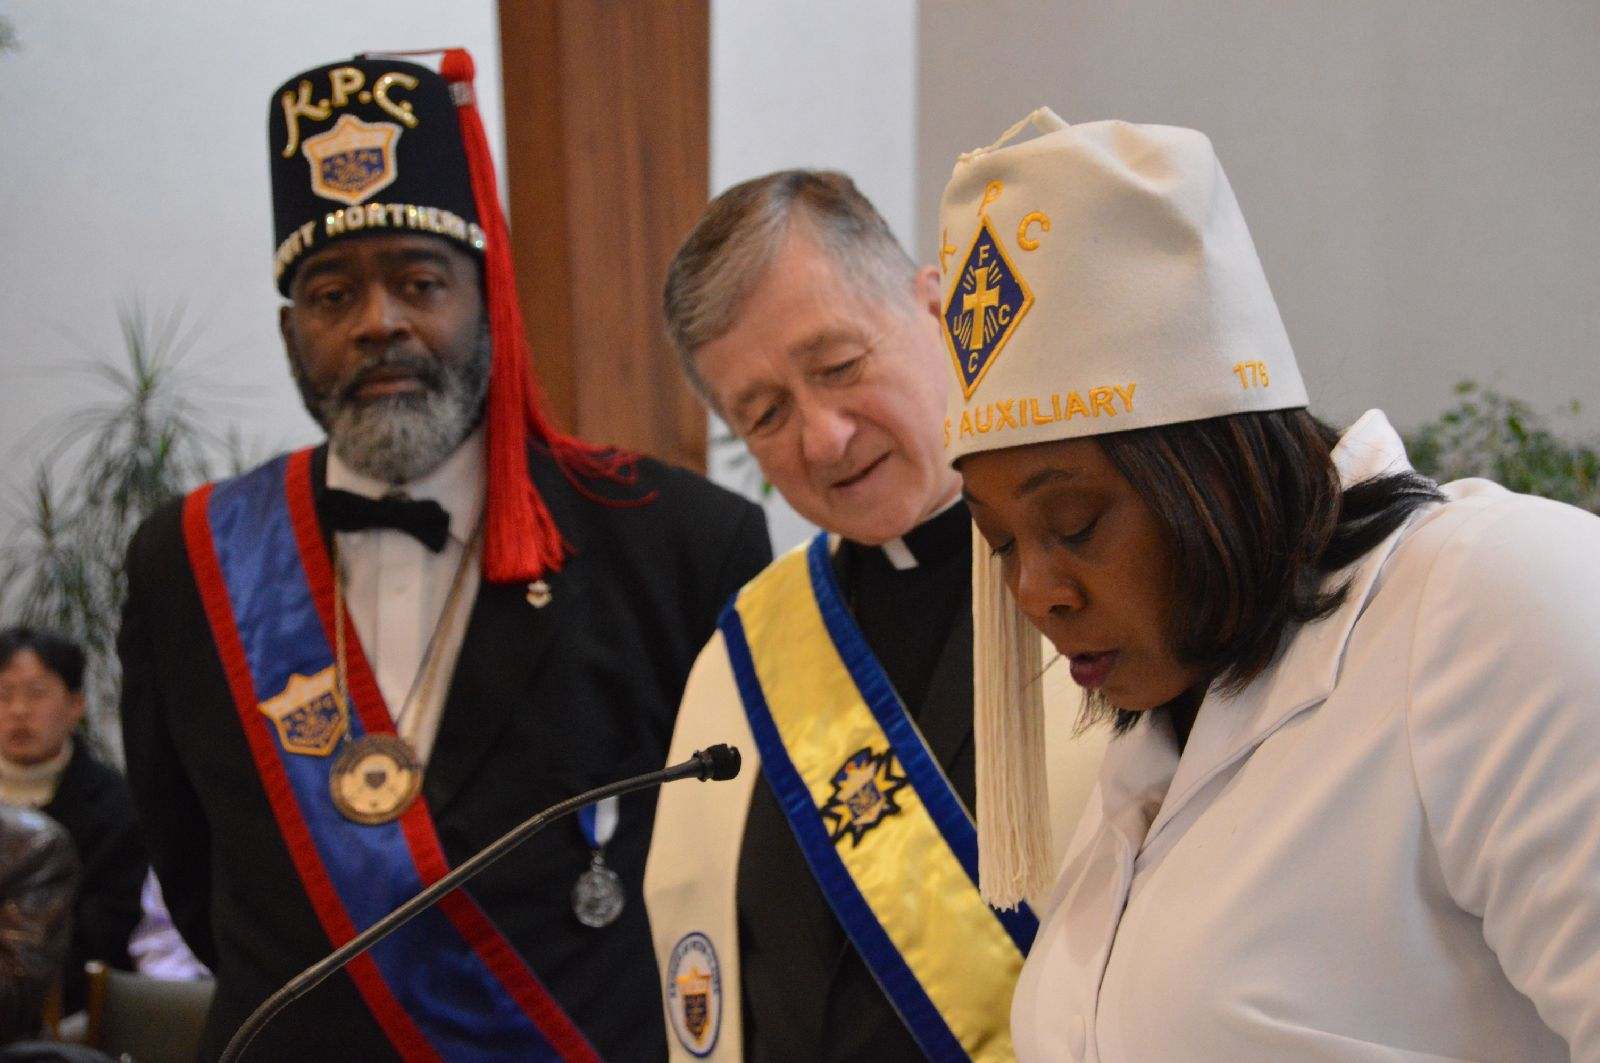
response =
{"points": [[307, 714]]}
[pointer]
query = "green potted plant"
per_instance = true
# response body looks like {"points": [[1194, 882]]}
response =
{"points": [[104, 467], [1502, 439]]}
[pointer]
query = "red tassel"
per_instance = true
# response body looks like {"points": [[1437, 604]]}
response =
{"points": [[521, 540]]}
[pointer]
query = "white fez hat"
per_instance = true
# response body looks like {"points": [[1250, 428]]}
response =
{"points": [[1098, 278]]}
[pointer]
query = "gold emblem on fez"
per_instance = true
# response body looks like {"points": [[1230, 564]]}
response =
{"points": [[863, 797], [985, 304], [353, 160], [307, 714]]}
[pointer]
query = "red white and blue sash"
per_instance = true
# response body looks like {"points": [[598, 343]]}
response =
{"points": [[448, 985]]}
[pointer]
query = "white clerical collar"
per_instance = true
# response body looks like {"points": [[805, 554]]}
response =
{"points": [[901, 556], [457, 484]]}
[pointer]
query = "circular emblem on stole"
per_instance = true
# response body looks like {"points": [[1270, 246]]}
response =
{"points": [[375, 779], [694, 993]]}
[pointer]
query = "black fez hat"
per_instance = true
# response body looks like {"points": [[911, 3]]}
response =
{"points": [[372, 144], [380, 145]]}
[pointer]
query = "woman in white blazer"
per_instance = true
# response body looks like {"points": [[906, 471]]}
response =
{"points": [[1353, 808]]}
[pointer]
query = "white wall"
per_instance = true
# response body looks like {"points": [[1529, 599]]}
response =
{"points": [[1420, 176], [134, 166], [814, 83]]}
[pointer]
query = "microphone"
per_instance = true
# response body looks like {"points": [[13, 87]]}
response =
{"points": [[715, 763]]}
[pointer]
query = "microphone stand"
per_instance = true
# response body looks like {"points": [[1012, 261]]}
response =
{"points": [[714, 762]]}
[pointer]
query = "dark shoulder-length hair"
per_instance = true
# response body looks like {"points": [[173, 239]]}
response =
{"points": [[1252, 508]]}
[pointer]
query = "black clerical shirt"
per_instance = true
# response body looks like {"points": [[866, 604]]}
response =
{"points": [[808, 995]]}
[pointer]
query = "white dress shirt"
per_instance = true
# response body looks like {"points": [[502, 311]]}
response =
{"points": [[395, 588]]}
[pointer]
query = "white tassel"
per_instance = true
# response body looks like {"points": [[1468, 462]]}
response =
{"points": [[1008, 707]]}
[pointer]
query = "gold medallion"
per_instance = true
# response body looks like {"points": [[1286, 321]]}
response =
{"points": [[375, 779]]}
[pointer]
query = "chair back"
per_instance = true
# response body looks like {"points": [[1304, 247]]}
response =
{"points": [[151, 1020]]}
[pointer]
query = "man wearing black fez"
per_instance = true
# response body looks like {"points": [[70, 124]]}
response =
{"points": [[349, 669]]}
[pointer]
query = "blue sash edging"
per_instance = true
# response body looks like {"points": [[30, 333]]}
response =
{"points": [[921, 1017], [926, 777]]}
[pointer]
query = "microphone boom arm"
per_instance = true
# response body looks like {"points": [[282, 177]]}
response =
{"points": [[714, 762]]}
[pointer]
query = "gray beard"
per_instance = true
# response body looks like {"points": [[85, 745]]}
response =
{"points": [[398, 438]]}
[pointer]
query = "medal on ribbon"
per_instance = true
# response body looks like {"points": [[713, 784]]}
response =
{"points": [[597, 896], [375, 779]]}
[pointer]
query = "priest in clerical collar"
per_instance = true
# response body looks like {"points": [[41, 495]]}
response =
{"points": [[831, 910]]}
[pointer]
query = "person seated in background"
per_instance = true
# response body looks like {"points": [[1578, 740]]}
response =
{"points": [[38, 878], [842, 670], [43, 766]]}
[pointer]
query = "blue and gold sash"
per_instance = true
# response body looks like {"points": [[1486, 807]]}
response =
{"points": [[883, 831], [447, 985]]}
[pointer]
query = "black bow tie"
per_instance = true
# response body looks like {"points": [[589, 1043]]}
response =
{"points": [[425, 521]]}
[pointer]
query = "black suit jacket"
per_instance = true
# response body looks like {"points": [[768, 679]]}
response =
{"points": [[543, 704], [91, 801]]}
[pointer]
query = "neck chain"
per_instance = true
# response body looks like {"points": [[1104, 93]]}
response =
{"points": [[427, 668]]}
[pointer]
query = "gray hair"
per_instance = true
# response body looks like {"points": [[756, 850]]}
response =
{"points": [[728, 253]]}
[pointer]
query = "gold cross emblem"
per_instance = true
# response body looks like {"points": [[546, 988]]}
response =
{"points": [[987, 298], [975, 303]]}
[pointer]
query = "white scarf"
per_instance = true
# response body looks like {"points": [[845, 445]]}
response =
{"points": [[33, 785]]}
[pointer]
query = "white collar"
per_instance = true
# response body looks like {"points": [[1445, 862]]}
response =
{"points": [[898, 553], [1369, 447], [457, 484], [896, 550], [34, 785]]}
